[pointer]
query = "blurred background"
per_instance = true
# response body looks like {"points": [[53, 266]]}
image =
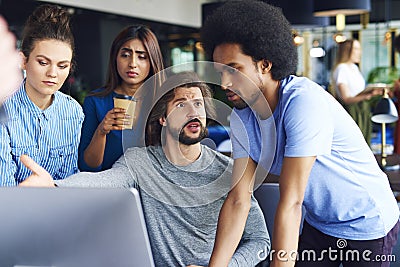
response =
{"points": [[177, 24]]}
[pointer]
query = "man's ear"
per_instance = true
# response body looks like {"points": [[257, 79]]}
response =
{"points": [[266, 66], [24, 60], [163, 121]]}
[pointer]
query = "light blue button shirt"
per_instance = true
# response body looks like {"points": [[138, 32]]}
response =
{"points": [[51, 136]]}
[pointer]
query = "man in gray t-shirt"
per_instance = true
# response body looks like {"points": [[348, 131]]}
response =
{"points": [[182, 183]]}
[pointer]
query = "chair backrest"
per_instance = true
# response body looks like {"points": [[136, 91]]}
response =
{"points": [[267, 196]]}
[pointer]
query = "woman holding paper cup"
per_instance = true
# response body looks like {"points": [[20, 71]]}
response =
{"points": [[135, 56], [350, 85]]}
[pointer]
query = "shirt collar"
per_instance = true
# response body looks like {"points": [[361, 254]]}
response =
{"points": [[33, 109]]}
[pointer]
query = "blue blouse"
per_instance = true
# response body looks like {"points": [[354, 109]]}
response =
{"points": [[51, 137]]}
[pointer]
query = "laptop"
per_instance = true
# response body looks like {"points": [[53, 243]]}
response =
{"points": [[72, 227]]}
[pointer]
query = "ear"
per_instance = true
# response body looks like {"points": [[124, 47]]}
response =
{"points": [[24, 60], [266, 66], [163, 121]]}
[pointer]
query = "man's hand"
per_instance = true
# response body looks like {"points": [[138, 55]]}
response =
{"points": [[39, 178]]}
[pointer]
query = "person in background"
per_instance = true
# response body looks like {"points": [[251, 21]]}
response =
{"points": [[42, 122], [135, 56], [307, 139], [349, 85], [10, 73], [396, 91], [182, 183]]}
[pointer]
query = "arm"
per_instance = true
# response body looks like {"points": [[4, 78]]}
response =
{"points": [[94, 133], [234, 212], [255, 243], [118, 176], [347, 99], [292, 184], [94, 153]]}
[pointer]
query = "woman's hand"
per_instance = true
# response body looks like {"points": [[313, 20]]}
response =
{"points": [[114, 120], [373, 92]]}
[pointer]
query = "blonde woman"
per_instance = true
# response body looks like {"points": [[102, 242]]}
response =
{"points": [[350, 84]]}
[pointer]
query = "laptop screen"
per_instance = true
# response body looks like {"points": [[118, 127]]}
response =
{"points": [[72, 227]]}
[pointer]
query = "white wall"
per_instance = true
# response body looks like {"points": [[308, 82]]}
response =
{"points": [[179, 12]]}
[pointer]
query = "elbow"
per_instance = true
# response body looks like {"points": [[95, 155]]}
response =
{"points": [[240, 203], [90, 161], [295, 208], [291, 206], [347, 100], [298, 207]]}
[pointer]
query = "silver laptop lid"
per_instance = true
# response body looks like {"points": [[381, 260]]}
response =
{"points": [[72, 227]]}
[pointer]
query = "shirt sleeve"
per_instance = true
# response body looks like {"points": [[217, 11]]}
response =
{"points": [[239, 137], [255, 244], [89, 127], [8, 166], [341, 75], [117, 177], [308, 125]]}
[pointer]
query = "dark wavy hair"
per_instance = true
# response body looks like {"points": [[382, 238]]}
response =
{"points": [[45, 23], [184, 79], [150, 42], [261, 30]]}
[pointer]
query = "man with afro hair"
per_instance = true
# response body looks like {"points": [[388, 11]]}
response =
{"points": [[293, 128]]}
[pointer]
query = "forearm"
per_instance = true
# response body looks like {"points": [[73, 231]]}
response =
{"points": [[118, 177], [348, 99], [250, 253], [292, 186], [231, 223], [286, 234], [255, 244], [355, 99], [94, 153]]}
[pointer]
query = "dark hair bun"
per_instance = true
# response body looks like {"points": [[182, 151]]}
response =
{"points": [[47, 22]]}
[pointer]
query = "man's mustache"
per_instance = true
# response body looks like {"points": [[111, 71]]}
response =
{"points": [[193, 120]]}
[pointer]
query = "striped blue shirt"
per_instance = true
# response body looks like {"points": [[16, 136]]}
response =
{"points": [[51, 137]]}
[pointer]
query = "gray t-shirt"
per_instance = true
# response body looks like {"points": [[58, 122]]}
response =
{"points": [[181, 204]]}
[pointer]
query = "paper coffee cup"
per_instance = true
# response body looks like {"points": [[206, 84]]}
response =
{"points": [[129, 104]]}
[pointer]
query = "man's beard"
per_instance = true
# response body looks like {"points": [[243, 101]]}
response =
{"points": [[241, 104], [184, 139]]}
